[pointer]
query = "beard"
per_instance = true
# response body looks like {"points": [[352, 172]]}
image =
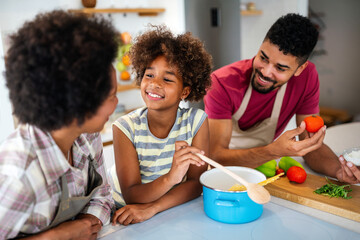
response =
{"points": [[258, 87]]}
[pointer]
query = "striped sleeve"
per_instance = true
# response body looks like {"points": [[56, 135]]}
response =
{"points": [[126, 125], [198, 117]]}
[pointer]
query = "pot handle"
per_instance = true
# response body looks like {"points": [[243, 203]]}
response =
{"points": [[226, 203]]}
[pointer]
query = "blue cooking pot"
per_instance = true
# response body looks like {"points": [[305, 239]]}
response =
{"points": [[230, 206]]}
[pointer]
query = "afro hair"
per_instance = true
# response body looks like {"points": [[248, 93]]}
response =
{"points": [[58, 68], [294, 34], [183, 51]]}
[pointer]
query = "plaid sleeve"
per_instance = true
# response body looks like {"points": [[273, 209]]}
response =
{"points": [[101, 204], [16, 204]]}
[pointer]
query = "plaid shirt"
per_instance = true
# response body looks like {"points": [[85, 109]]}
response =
{"points": [[31, 165]]}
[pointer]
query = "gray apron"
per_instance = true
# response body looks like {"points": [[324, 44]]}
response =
{"points": [[71, 206], [260, 134]]}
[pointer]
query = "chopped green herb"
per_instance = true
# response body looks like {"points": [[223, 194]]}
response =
{"points": [[333, 190]]}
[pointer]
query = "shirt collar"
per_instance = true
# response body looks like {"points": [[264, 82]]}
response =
{"points": [[52, 161], [84, 146]]}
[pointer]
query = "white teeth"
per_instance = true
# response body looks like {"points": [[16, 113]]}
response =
{"points": [[154, 95], [263, 80]]}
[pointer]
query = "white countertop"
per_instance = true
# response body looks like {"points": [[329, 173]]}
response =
{"points": [[189, 221]]}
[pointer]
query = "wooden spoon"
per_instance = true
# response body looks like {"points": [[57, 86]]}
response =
{"points": [[256, 192]]}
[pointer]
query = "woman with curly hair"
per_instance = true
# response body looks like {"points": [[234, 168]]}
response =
{"points": [[63, 89], [155, 165]]}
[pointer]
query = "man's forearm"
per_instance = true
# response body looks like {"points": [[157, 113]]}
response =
{"points": [[323, 160], [251, 157]]}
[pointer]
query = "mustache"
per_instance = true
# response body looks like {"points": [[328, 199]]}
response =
{"points": [[263, 77]]}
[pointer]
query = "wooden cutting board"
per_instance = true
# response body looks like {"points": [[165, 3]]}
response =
{"points": [[303, 194]]}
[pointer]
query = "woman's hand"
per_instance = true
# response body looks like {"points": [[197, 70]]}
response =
{"points": [[86, 227], [182, 159], [133, 213]]}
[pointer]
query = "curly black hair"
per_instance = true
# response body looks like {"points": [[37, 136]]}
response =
{"points": [[294, 34], [58, 68], [183, 51]]}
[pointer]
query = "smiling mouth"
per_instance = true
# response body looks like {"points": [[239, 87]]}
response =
{"points": [[154, 95], [264, 80], [262, 84]]}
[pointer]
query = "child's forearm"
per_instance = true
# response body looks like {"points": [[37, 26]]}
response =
{"points": [[180, 194], [148, 192]]}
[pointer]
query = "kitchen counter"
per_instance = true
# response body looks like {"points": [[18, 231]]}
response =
{"points": [[189, 221], [280, 220]]}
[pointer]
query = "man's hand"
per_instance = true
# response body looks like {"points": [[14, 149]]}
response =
{"points": [[348, 172], [286, 144], [133, 213]]}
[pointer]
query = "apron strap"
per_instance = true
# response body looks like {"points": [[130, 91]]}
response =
{"points": [[278, 102], [276, 108], [244, 104], [65, 190]]}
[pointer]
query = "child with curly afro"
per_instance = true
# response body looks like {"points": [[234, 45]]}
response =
{"points": [[63, 89], [154, 145]]}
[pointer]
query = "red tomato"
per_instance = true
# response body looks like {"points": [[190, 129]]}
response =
{"points": [[279, 170], [313, 123], [296, 174]]}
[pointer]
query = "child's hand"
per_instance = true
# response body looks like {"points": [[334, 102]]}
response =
{"points": [[182, 159], [133, 213]]}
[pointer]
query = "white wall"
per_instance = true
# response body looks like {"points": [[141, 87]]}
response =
{"points": [[6, 120], [221, 41], [338, 69], [173, 16], [254, 28], [13, 13]]}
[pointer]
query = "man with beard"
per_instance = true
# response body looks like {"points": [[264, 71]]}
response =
{"points": [[251, 102]]}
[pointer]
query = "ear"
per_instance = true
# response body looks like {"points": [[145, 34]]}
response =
{"points": [[186, 91], [300, 69]]}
